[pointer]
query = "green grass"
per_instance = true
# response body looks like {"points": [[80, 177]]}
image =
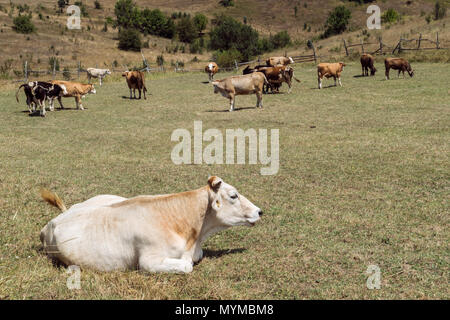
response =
{"points": [[364, 179]]}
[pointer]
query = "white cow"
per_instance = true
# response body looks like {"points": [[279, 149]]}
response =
{"points": [[97, 73], [162, 233]]}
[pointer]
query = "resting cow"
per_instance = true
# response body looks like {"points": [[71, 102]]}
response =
{"points": [[162, 233], [211, 69], [238, 85], [75, 90], [135, 80], [279, 61], [330, 70], [399, 64], [367, 62], [97, 73]]}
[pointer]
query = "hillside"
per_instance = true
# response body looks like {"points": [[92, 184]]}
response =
{"points": [[94, 47]]}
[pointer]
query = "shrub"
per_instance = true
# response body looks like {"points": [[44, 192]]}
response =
{"points": [[160, 60], [66, 74], [280, 40], [227, 3], [97, 5], [23, 24], [337, 21], [186, 29], [53, 62], [200, 22], [390, 16], [130, 40], [439, 10], [226, 58]]}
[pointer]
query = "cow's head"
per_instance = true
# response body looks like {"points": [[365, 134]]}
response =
{"points": [[410, 70], [92, 89], [125, 73], [291, 60], [372, 71], [216, 85], [342, 65], [108, 71], [229, 207]]}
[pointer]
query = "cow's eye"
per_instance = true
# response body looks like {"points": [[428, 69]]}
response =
{"points": [[234, 196]]}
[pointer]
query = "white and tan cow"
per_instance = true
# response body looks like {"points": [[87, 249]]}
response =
{"points": [[330, 70], [252, 83], [162, 233], [279, 61], [97, 73], [211, 69]]}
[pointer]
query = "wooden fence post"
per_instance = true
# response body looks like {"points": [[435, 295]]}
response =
{"points": [[437, 41], [78, 69], [381, 46], [420, 40], [346, 49], [54, 69], [314, 52], [26, 71], [400, 46], [362, 46]]}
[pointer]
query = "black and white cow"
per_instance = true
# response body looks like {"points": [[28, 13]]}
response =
{"points": [[38, 91]]}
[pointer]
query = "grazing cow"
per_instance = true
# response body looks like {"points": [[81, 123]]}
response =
{"points": [[399, 64], [75, 90], [38, 91], [97, 73], [277, 61], [211, 69], [162, 233], [135, 80], [329, 70], [275, 76], [240, 85], [367, 63]]}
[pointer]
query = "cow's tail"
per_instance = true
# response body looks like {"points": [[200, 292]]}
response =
{"points": [[53, 199], [17, 93], [296, 79]]}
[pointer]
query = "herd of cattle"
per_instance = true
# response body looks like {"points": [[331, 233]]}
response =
{"points": [[256, 80]]}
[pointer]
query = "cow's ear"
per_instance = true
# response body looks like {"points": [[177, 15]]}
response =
{"points": [[214, 182]]}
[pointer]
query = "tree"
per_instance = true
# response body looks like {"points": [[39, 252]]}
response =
{"points": [[439, 10], [187, 31], [200, 22], [126, 13], [337, 21], [130, 40]]}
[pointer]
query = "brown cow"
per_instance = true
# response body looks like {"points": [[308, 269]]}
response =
{"points": [[275, 76], [367, 63], [329, 70], [135, 80], [76, 90], [399, 64], [239, 85], [279, 61], [211, 69]]}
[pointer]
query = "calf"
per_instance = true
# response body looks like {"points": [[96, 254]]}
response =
{"points": [[399, 64], [239, 85], [329, 70], [367, 62], [162, 233]]}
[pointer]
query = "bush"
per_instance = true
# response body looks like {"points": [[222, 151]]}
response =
{"points": [[130, 40], [227, 3], [337, 21], [196, 46], [23, 24], [226, 58], [66, 74], [186, 29], [280, 40], [160, 60], [390, 16], [231, 34], [200, 22], [97, 5], [439, 10]]}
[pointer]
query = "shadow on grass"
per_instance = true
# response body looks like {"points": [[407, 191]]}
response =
{"points": [[235, 109], [205, 82], [214, 254]]}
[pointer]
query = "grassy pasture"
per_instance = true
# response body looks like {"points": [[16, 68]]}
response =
{"points": [[364, 179]]}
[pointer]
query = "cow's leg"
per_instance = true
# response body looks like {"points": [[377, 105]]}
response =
{"points": [[139, 93], [334, 77], [78, 102], [340, 83], [131, 94], [42, 106], [387, 74], [60, 102], [152, 263], [232, 102], [100, 80], [319, 79], [398, 75], [259, 99]]}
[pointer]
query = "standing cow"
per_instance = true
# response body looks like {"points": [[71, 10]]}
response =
{"points": [[211, 69], [399, 64], [97, 73], [238, 85], [135, 80], [330, 70], [367, 63]]}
